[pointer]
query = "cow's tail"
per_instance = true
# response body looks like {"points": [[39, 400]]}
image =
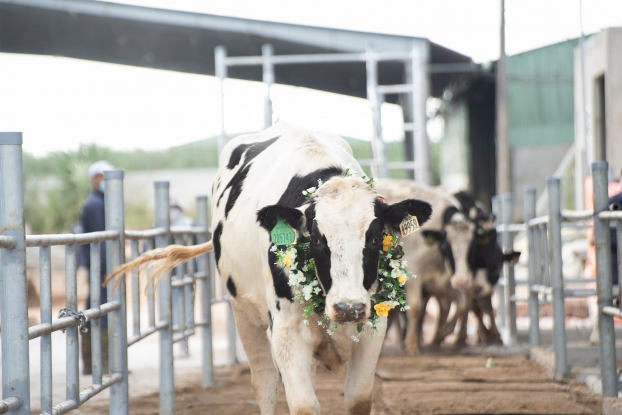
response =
{"points": [[166, 259]]}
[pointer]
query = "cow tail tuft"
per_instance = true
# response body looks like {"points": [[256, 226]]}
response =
{"points": [[167, 259]]}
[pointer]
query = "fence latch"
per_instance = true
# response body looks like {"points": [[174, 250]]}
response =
{"points": [[80, 317]]}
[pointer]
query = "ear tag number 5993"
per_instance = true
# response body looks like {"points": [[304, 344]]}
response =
{"points": [[409, 225], [282, 234]]}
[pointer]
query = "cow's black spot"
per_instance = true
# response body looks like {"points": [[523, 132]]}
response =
{"points": [[270, 318], [371, 253], [448, 214], [279, 279], [251, 151], [278, 305], [216, 241], [293, 197], [231, 287], [321, 254], [236, 155], [236, 183]]}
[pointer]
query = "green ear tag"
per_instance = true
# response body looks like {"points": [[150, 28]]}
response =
{"points": [[282, 234]]}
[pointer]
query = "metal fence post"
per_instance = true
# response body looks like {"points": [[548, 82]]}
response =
{"points": [[268, 79], [496, 211], [508, 272], [72, 346], [220, 57], [534, 307], [556, 278], [15, 363], [602, 242], [165, 305], [115, 256], [203, 263], [379, 168], [232, 358]]}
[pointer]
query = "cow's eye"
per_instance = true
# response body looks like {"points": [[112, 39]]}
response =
{"points": [[316, 240], [376, 239], [430, 240]]}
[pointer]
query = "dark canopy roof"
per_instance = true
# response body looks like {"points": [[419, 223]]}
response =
{"points": [[185, 42]]}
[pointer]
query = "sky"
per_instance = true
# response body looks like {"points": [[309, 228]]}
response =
{"points": [[59, 103]]}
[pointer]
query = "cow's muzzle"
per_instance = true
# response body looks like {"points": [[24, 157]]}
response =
{"points": [[348, 312]]}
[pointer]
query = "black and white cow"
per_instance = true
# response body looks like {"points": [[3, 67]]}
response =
{"points": [[486, 260], [438, 255], [262, 176]]}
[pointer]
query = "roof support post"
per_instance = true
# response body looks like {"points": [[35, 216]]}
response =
{"points": [[420, 80], [379, 168], [220, 55], [268, 79]]}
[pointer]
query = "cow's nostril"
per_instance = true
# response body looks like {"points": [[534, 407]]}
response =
{"points": [[342, 307], [358, 306], [478, 290]]}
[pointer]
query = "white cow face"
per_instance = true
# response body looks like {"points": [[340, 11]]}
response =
{"points": [[345, 221]]}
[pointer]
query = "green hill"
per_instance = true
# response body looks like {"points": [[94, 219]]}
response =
{"points": [[56, 184]]}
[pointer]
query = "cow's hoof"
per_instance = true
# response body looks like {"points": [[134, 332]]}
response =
{"points": [[460, 343], [411, 351]]}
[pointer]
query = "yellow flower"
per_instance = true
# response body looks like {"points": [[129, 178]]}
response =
{"points": [[402, 279], [386, 242], [382, 309], [287, 260]]}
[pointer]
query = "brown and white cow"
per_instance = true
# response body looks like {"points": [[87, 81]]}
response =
{"points": [[263, 176]]}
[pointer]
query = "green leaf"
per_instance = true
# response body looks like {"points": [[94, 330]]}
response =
{"points": [[359, 327]]}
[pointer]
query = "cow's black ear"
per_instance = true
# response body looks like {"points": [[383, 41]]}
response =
{"points": [[267, 217], [394, 214], [512, 257]]}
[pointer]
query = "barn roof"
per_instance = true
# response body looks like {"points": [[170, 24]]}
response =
{"points": [[185, 41]]}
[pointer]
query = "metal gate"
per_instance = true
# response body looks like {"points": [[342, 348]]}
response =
{"points": [[546, 282], [14, 313]]}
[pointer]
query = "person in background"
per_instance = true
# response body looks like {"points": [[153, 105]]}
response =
{"points": [[92, 220]]}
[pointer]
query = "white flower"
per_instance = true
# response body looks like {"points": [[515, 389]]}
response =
{"points": [[355, 338], [273, 248], [305, 268], [306, 291], [381, 279], [316, 290], [394, 263], [306, 322], [313, 283], [385, 273], [406, 307], [319, 182], [369, 323], [311, 190], [404, 263], [395, 273], [388, 257]]}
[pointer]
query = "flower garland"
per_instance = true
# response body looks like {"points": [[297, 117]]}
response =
{"points": [[303, 278]]}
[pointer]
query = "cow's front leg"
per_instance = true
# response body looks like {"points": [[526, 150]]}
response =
{"points": [[444, 304], [414, 317], [362, 370], [486, 307], [294, 358], [264, 376]]}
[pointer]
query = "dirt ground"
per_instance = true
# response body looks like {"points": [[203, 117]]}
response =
{"points": [[429, 384]]}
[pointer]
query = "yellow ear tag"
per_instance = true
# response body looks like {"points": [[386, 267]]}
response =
{"points": [[409, 225]]}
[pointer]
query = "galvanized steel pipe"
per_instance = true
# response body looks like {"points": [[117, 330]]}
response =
{"points": [[14, 304], [603, 280], [117, 321], [534, 306], [165, 300]]}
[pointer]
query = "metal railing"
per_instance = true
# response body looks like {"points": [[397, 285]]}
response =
{"points": [[545, 279], [15, 331], [416, 90]]}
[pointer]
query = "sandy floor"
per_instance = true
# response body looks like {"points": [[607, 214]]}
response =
{"points": [[428, 384]]}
